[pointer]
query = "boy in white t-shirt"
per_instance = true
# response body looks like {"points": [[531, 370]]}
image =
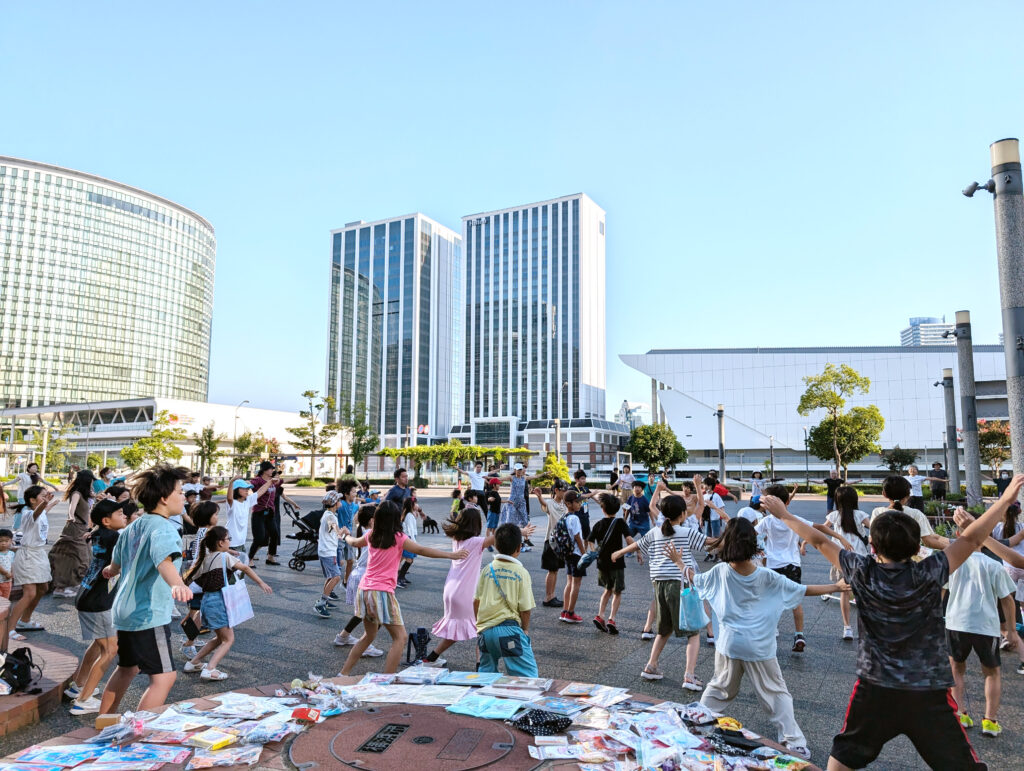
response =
{"points": [[327, 551], [782, 550], [555, 508]]}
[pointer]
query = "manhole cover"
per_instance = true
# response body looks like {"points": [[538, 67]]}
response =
{"points": [[413, 736]]}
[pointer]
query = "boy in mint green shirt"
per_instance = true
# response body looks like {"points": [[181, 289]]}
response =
{"points": [[146, 558]]}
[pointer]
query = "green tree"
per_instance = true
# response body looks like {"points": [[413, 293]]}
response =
{"points": [[679, 455], [207, 443], [994, 443], [93, 461], [655, 447], [57, 447], [314, 436], [248, 448], [362, 439], [897, 459], [829, 391], [850, 438], [554, 468], [160, 445]]}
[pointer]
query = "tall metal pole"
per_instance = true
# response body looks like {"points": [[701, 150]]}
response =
{"points": [[968, 406], [949, 440], [720, 412], [558, 438], [771, 457], [807, 461], [654, 402], [1009, 211]]}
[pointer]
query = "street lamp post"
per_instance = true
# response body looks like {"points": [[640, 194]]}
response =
{"points": [[558, 438], [807, 461], [949, 443], [720, 412], [771, 458], [968, 406], [234, 440]]}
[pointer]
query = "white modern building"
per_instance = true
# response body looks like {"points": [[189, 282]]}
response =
{"points": [[103, 428], [395, 337], [761, 388], [106, 291], [926, 330]]}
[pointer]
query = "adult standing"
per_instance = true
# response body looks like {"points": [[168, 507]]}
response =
{"points": [[713, 503], [832, 484], [102, 482], [193, 483], [400, 490], [613, 479], [916, 488], [475, 479], [939, 477], [624, 484], [71, 554], [207, 490], [519, 514], [279, 496], [264, 526]]}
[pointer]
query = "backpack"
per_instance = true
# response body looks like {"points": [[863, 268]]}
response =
{"points": [[17, 669], [561, 541]]}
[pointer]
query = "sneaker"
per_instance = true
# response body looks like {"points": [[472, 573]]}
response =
{"points": [[692, 683], [847, 632], [175, 613], [554, 602], [600, 623], [646, 635], [272, 561], [572, 618], [564, 616], [965, 720], [990, 728], [341, 639], [711, 640], [1020, 668], [651, 674], [526, 549], [189, 650], [435, 664], [321, 610], [799, 643], [1005, 645], [72, 692], [371, 652], [799, 751], [328, 603], [92, 705], [402, 583], [333, 596], [612, 629]]}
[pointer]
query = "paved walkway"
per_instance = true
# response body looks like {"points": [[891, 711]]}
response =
{"points": [[285, 640]]}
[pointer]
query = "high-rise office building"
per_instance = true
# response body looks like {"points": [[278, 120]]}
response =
{"points": [[534, 315], [106, 291], [395, 332], [925, 330]]}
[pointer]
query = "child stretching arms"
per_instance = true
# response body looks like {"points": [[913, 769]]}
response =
{"points": [[31, 567], [903, 660], [364, 521], [375, 600], [749, 600], [213, 560], [608, 533]]}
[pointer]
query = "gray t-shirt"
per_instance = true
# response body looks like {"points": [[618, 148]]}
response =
{"points": [[899, 612]]}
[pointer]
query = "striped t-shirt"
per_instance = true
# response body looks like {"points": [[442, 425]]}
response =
{"points": [[686, 540]]}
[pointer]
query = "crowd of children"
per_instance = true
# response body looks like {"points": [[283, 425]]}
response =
{"points": [[924, 603]]}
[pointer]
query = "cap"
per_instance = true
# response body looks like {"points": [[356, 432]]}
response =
{"points": [[106, 507], [241, 484], [517, 467], [331, 499], [755, 499]]}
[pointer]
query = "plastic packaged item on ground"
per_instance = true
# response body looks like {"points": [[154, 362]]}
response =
{"points": [[477, 705], [377, 678], [121, 765], [595, 717], [601, 742], [558, 705], [533, 683], [504, 692], [697, 713], [577, 751], [578, 689], [62, 755], [440, 695], [212, 739], [167, 737], [421, 675], [15, 766], [606, 696], [243, 754], [551, 741], [469, 678]]}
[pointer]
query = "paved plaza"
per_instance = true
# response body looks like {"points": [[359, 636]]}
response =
{"points": [[286, 640]]}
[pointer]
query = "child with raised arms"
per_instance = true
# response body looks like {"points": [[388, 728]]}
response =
{"points": [[364, 521]]}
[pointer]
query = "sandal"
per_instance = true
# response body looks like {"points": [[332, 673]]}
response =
{"points": [[272, 561], [213, 674], [693, 683], [16, 637], [29, 626], [651, 674]]}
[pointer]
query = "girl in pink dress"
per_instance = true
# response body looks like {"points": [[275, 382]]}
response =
{"points": [[459, 619]]}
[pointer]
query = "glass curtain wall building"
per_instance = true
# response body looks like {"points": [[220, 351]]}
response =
{"points": [[395, 341], [106, 291], [534, 313]]}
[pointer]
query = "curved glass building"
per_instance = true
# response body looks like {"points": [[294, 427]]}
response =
{"points": [[106, 291]]}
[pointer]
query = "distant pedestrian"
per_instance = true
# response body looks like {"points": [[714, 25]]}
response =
{"points": [[938, 476]]}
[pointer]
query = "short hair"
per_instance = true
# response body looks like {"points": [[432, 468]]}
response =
{"points": [[609, 504], [779, 491], [739, 541], [204, 513], [471, 495], [478, 463], [571, 497], [157, 483], [192, 474], [190, 492], [5, 533], [579, 473], [895, 535], [508, 538], [347, 486], [399, 471], [638, 483]]}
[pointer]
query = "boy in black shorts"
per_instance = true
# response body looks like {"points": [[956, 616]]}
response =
{"points": [[609, 533], [574, 573], [903, 677]]}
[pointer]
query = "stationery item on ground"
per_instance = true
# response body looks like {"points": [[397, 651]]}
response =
{"points": [[396, 694], [440, 695], [247, 754], [212, 739], [15, 766], [578, 689], [157, 753], [697, 713], [602, 742], [558, 705], [420, 675], [477, 705], [533, 683], [121, 765], [551, 741], [377, 678], [167, 737], [605, 696], [469, 678], [577, 751], [501, 692], [65, 755], [595, 717]]}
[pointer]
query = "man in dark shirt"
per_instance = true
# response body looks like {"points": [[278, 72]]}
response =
{"points": [[833, 483], [401, 490], [938, 479]]}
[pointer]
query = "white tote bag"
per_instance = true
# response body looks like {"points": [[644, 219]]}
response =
{"points": [[236, 598]]}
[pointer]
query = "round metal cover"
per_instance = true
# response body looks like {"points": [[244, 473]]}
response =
{"points": [[392, 736]]}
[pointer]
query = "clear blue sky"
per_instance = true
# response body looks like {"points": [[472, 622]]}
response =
{"points": [[774, 174]]}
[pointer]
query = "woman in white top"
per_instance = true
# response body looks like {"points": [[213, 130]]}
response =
{"points": [[916, 490], [848, 527], [31, 567], [30, 476], [1011, 530], [756, 483]]}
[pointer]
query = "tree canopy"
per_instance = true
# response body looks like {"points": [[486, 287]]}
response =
{"points": [[655, 447], [852, 434], [159, 446]]}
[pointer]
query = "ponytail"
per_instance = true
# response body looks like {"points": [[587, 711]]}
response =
{"points": [[846, 504], [896, 489], [211, 538], [674, 509]]}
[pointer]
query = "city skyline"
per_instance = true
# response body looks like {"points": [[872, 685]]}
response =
{"points": [[647, 127]]}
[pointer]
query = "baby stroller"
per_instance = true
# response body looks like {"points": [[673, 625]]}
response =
{"points": [[307, 535]]}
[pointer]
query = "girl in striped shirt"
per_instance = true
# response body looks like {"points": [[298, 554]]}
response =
{"points": [[667, 577]]}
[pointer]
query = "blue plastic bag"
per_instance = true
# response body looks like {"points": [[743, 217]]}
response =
{"points": [[692, 617]]}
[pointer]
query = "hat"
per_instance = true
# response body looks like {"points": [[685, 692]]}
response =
{"points": [[517, 467], [241, 484], [331, 499], [755, 499], [106, 507]]}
